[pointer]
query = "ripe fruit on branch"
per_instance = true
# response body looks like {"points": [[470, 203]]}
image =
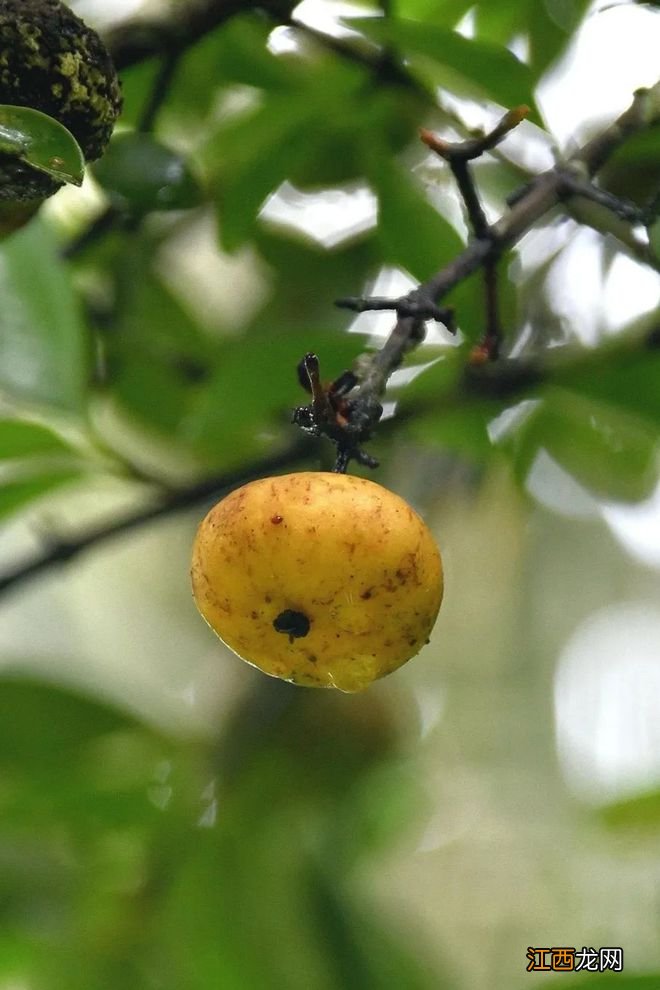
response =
{"points": [[52, 62], [324, 580]]}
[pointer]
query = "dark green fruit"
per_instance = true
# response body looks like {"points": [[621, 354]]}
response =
{"points": [[140, 174], [51, 61]]}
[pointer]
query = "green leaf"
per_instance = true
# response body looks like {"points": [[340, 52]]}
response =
{"points": [[497, 23], [389, 119], [42, 142], [462, 430], [654, 239], [410, 230], [140, 174], [637, 813], [15, 495], [632, 170], [158, 357], [547, 25], [43, 350], [19, 438], [241, 55], [66, 722], [610, 452], [446, 14], [436, 381], [463, 64], [248, 158], [551, 25], [255, 386], [625, 377]]}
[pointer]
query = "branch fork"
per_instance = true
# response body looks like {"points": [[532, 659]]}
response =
{"points": [[568, 181]]}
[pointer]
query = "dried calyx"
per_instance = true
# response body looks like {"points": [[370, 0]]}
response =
{"points": [[51, 61]]}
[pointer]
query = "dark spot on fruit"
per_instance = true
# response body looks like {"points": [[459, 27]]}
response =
{"points": [[267, 599], [276, 520], [412, 641], [312, 657], [366, 594], [401, 576], [294, 624], [254, 615]]}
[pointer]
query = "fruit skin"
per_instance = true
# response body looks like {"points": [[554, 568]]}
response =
{"points": [[51, 61], [348, 572]]}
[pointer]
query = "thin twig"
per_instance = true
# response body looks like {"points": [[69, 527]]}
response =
{"points": [[625, 210], [419, 309], [103, 224], [458, 156], [159, 91]]}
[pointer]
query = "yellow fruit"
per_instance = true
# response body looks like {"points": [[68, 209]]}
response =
{"points": [[325, 580]]}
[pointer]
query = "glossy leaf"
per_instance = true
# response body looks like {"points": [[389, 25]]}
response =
{"points": [[410, 230], [627, 378], [42, 142], [249, 158], [550, 27], [19, 438], [547, 26], [43, 346], [472, 65], [608, 451], [140, 174], [250, 155]]}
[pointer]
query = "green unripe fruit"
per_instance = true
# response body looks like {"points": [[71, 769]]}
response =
{"points": [[51, 61]]}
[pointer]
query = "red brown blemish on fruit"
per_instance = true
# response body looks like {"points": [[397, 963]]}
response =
{"points": [[276, 519]]}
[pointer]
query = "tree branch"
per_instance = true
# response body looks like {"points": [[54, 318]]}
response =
{"points": [[166, 504], [536, 199]]}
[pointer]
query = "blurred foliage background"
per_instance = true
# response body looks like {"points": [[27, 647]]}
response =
{"points": [[169, 817]]}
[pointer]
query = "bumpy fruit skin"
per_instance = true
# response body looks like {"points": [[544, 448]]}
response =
{"points": [[324, 580], [51, 61]]}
